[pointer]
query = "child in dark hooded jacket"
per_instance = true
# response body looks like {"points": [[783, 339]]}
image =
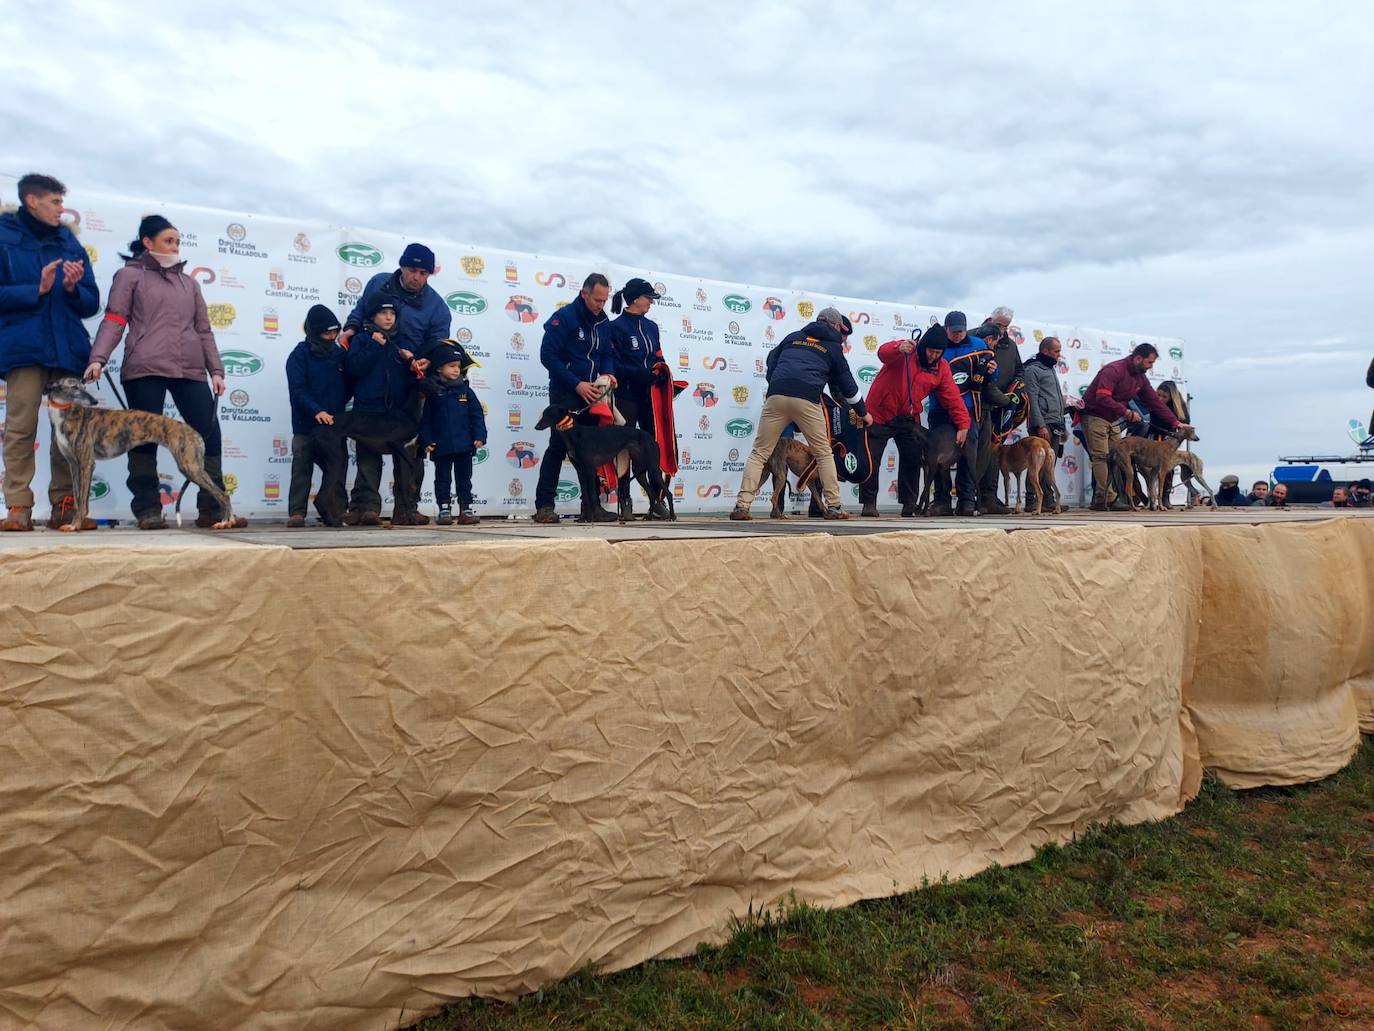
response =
{"points": [[452, 428], [315, 381]]}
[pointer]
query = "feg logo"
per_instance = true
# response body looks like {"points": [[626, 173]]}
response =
{"points": [[464, 303], [737, 303], [775, 310], [867, 373], [1176, 353], [567, 490], [240, 363], [705, 395], [360, 255], [739, 427], [480, 455]]}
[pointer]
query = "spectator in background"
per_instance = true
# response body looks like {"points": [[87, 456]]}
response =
{"points": [[1362, 494], [46, 288], [1230, 496], [1278, 497], [1045, 407], [1340, 498], [1259, 492], [170, 350]]}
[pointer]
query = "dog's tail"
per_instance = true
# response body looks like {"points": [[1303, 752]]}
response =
{"points": [[181, 494]]}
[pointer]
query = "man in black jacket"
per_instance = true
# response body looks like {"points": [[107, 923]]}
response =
{"points": [[1009, 369], [798, 370]]}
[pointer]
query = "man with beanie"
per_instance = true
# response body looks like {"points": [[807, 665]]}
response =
{"points": [[576, 351], [1109, 395], [315, 382], [46, 288], [1045, 407], [970, 364], [994, 332], [423, 316], [798, 370], [638, 362], [910, 371]]}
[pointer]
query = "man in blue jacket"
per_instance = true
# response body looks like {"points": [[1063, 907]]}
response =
{"points": [[576, 350], [970, 362], [424, 319], [46, 288]]}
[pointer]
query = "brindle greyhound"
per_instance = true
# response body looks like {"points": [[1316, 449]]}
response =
{"points": [[85, 432]]}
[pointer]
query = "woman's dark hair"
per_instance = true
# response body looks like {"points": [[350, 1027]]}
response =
{"points": [[147, 230]]}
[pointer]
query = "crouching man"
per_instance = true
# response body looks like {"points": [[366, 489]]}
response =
{"points": [[798, 370]]}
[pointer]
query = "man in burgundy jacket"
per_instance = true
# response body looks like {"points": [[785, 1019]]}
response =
{"points": [[1114, 386], [910, 371]]}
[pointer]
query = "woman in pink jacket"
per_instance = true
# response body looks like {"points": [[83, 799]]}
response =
{"points": [[170, 349]]}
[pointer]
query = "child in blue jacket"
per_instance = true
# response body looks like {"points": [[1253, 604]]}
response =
{"points": [[452, 429], [315, 382]]}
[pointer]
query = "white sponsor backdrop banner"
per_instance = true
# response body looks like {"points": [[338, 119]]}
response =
{"points": [[260, 275]]}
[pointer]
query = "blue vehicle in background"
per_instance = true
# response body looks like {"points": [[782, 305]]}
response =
{"points": [[1309, 479]]}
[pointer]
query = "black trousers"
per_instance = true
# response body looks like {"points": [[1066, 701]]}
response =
{"points": [[453, 472], [545, 490], [196, 406], [910, 439]]}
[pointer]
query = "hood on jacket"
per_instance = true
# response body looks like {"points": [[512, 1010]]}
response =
{"points": [[822, 331]]}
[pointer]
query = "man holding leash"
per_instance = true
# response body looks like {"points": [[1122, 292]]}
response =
{"points": [[1007, 355], [46, 288], [910, 371], [1045, 415], [576, 350], [798, 370], [1109, 394], [970, 362]]}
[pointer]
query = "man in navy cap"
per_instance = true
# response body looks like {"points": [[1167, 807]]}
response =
{"points": [[423, 317]]}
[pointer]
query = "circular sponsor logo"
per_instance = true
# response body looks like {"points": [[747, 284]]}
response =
{"points": [[523, 455], [353, 285], [221, 316], [773, 307], [804, 308], [659, 288], [734, 328], [567, 490], [1176, 353], [472, 264], [867, 373], [480, 455], [360, 255], [517, 342], [236, 232], [737, 303], [238, 398], [463, 336], [516, 488], [99, 488], [739, 427], [240, 363], [301, 243], [521, 308], [705, 395]]}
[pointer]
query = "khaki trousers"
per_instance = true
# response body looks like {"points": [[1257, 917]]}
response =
{"points": [[809, 416], [23, 405], [1098, 434]]}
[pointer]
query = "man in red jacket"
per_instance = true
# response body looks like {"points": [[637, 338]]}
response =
{"points": [[910, 371], [1114, 386]]}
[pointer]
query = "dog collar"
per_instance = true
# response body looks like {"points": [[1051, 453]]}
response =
{"points": [[60, 407], [565, 423]]}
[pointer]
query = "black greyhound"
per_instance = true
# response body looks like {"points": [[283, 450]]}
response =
{"points": [[386, 432], [590, 447]]}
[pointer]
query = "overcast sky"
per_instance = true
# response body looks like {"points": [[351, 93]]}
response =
{"points": [[1174, 169]]}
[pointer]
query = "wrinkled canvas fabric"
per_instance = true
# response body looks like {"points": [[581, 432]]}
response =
{"points": [[272, 788]]}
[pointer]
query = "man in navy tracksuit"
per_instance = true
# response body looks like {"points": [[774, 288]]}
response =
{"points": [[799, 369], [970, 362], [576, 350], [315, 383], [424, 318], [638, 362]]}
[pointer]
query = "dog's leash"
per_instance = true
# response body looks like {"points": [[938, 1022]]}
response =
{"points": [[118, 396]]}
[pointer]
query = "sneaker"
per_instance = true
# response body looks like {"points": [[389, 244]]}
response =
{"points": [[546, 516], [152, 521], [295, 522], [741, 514], [18, 519], [445, 516], [869, 512], [836, 513], [467, 517], [63, 511]]}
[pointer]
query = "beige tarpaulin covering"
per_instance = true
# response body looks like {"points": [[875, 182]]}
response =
{"points": [[258, 787]]}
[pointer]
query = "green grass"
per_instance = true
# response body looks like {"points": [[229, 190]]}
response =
{"points": [[1252, 909]]}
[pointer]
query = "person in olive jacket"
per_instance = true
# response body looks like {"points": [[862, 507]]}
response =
{"points": [[170, 349]]}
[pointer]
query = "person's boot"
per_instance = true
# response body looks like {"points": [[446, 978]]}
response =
{"points": [[836, 513], [908, 511], [546, 516], [445, 515], [295, 522], [966, 508], [869, 512], [419, 519], [467, 517], [991, 504], [600, 514], [152, 521], [352, 517], [18, 519], [658, 510], [741, 513], [1120, 504], [941, 506], [62, 513], [1099, 503]]}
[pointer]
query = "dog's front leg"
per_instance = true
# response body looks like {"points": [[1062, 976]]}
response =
{"points": [[83, 473]]}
